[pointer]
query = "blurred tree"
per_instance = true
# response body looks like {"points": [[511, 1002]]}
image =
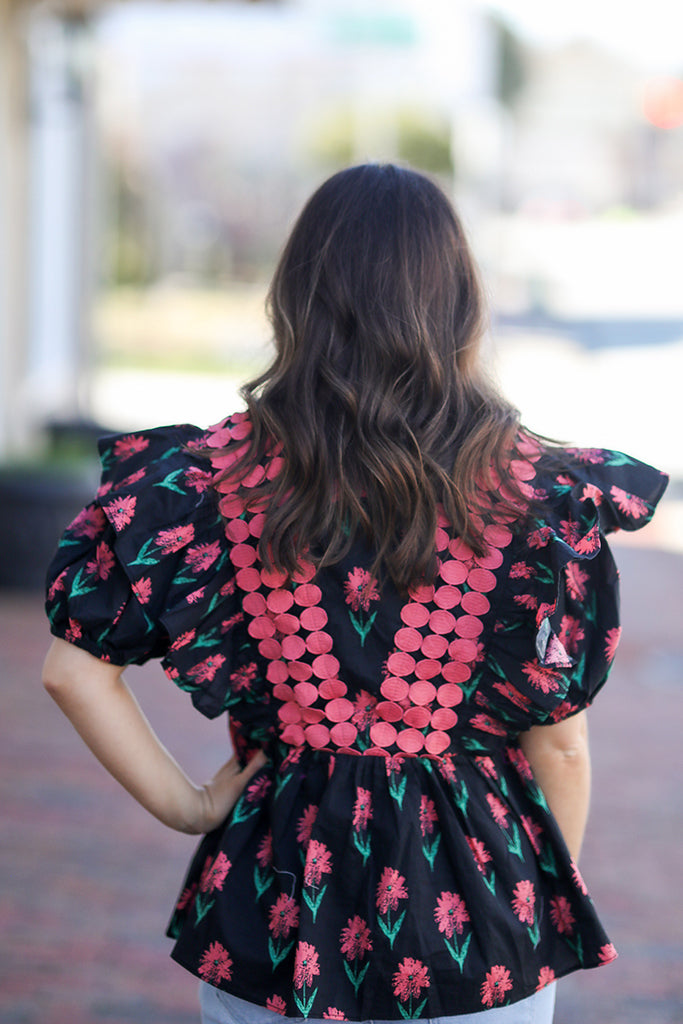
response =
{"points": [[424, 142], [127, 250], [418, 137]]}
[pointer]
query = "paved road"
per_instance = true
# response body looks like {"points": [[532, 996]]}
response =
{"points": [[87, 880]]}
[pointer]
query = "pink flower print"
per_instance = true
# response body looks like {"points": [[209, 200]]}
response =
{"points": [[174, 539], [89, 522], [228, 624], [571, 633], [277, 1005], [569, 531], [284, 915], [205, 671], [305, 964], [142, 589], [355, 939], [629, 504], [447, 769], [497, 983], [103, 562], [539, 538], [257, 790], [410, 978], [183, 640], [362, 809], [563, 710], [576, 580], [318, 863], [332, 1013], [187, 897], [243, 677], [134, 478], [486, 767], [393, 764], [203, 556], [214, 874], [533, 831], [480, 853], [487, 724], [612, 638], [74, 632], [594, 456], [360, 588], [498, 810], [130, 445], [578, 878], [529, 601], [561, 915], [451, 914], [264, 854], [305, 824], [521, 700], [556, 653], [195, 596], [228, 588], [199, 479], [57, 585], [592, 493], [390, 890], [518, 759], [215, 965], [365, 713], [523, 902], [542, 677], [607, 953], [120, 511], [546, 976], [589, 544], [521, 571], [428, 815]]}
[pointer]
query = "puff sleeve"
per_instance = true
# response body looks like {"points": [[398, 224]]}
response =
{"points": [[558, 626], [144, 571]]}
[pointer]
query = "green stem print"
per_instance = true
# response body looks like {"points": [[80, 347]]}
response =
{"points": [[362, 625], [355, 974], [313, 898], [263, 879], [202, 906], [391, 931], [430, 850], [458, 952], [362, 844], [397, 789]]}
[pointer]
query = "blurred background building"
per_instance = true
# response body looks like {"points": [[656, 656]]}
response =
{"points": [[152, 156]]}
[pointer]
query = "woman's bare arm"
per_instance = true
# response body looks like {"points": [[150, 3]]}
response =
{"points": [[560, 759], [97, 701]]}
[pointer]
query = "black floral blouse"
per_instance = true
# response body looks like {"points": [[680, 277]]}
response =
{"points": [[395, 858]]}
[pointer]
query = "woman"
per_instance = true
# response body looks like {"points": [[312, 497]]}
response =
{"points": [[405, 602]]}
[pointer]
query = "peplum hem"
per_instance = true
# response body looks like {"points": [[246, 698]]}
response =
{"points": [[313, 856]]}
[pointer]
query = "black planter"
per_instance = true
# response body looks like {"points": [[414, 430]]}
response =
{"points": [[36, 504]]}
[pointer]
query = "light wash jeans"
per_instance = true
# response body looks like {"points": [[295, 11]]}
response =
{"points": [[223, 1008]]}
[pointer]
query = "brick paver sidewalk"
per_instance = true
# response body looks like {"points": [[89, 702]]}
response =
{"points": [[87, 879]]}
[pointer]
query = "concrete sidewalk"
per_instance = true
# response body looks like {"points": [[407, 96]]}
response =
{"points": [[87, 880]]}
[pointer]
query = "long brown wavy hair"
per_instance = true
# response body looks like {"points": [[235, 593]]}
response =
{"points": [[376, 394]]}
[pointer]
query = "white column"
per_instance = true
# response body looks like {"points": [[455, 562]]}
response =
{"points": [[60, 253], [13, 139]]}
